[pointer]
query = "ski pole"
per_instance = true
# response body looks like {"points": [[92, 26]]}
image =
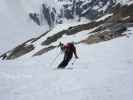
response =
{"points": [[52, 62]]}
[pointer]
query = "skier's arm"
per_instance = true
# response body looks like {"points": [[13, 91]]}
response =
{"points": [[62, 47]]}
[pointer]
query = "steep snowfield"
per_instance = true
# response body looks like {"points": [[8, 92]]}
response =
{"points": [[102, 72], [15, 25]]}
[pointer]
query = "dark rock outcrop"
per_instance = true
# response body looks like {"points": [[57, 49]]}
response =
{"points": [[71, 31], [104, 36], [35, 18], [74, 8], [44, 50], [20, 51]]}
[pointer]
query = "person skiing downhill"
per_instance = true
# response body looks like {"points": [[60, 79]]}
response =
{"points": [[69, 49]]}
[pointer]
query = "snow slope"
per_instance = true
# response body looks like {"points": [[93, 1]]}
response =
{"points": [[102, 72], [15, 25]]}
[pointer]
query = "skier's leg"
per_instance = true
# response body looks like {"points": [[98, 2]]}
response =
{"points": [[63, 64]]}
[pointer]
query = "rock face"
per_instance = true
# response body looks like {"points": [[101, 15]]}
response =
{"points": [[114, 26], [105, 35], [44, 50], [19, 51], [71, 9], [122, 13]]}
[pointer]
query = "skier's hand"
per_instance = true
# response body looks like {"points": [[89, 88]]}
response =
{"points": [[60, 45]]}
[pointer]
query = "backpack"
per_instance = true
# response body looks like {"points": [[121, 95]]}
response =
{"points": [[70, 47]]}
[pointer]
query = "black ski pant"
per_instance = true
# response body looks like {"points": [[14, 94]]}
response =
{"points": [[65, 61]]}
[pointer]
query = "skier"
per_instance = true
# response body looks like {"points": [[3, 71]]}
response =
{"points": [[69, 49]]}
